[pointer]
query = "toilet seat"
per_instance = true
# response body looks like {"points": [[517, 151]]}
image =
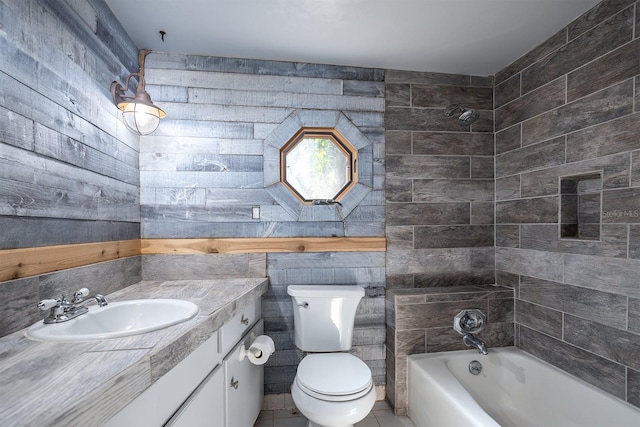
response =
{"points": [[334, 377]]}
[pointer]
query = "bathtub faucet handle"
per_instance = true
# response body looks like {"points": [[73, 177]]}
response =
{"points": [[469, 321]]}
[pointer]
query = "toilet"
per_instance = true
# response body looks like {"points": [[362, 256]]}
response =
{"points": [[332, 388]]}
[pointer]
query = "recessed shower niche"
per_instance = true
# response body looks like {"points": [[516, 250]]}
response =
{"points": [[581, 206]]}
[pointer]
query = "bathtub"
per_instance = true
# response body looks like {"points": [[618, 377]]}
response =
{"points": [[514, 389]]}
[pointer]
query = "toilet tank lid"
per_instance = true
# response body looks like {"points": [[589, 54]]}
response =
{"points": [[321, 291]]}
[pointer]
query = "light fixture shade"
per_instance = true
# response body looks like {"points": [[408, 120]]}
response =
{"points": [[141, 118], [139, 114]]}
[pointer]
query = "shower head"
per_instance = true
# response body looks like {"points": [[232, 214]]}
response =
{"points": [[467, 115]]}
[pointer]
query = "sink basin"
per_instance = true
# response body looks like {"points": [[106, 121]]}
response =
{"points": [[117, 319]]}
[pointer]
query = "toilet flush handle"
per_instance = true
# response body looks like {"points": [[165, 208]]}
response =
{"points": [[303, 304]]}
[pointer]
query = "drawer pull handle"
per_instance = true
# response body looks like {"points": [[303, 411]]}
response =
{"points": [[234, 383], [244, 320]]}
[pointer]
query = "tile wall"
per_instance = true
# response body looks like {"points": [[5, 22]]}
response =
{"points": [[570, 108], [440, 184], [440, 198], [420, 321]]}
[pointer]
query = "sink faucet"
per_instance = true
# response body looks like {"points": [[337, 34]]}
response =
{"points": [[61, 310], [101, 300], [472, 341]]}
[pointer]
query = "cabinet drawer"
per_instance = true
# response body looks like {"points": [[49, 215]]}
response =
{"points": [[239, 324], [244, 384]]}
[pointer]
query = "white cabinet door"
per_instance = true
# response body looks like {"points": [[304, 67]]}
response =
{"points": [[205, 407], [244, 384], [159, 402]]}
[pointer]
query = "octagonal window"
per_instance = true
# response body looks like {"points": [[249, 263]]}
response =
{"points": [[318, 164]]}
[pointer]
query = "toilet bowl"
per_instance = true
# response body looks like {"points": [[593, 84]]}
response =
{"points": [[333, 389]]}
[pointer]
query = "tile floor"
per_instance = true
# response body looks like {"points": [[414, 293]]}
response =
{"points": [[380, 416]]}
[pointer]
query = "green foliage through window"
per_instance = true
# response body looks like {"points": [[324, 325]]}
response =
{"points": [[317, 166]]}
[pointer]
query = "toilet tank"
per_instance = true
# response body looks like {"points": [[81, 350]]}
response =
{"points": [[323, 316]]}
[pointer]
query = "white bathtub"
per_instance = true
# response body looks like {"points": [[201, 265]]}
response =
{"points": [[514, 389]]}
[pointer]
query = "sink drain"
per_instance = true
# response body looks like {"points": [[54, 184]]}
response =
{"points": [[475, 367]]}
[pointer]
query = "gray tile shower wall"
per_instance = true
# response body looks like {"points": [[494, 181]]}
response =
{"points": [[420, 321], [205, 168], [440, 181], [570, 108], [440, 218]]}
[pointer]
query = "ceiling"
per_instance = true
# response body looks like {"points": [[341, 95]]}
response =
{"points": [[477, 37]]}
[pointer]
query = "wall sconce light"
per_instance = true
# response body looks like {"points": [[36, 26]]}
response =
{"points": [[139, 114]]}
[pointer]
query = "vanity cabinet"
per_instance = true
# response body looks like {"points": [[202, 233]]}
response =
{"points": [[211, 387], [242, 379]]}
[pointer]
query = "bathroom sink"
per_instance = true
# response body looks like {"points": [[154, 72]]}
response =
{"points": [[118, 319]]}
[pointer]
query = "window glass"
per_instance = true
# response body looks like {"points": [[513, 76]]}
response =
{"points": [[317, 165]]}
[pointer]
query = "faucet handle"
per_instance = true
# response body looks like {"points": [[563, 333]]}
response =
{"points": [[469, 321], [47, 304], [80, 295]]}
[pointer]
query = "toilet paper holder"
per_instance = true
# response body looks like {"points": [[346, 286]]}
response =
{"points": [[244, 352], [257, 355]]}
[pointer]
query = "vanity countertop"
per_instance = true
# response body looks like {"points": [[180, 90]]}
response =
{"points": [[86, 383]]}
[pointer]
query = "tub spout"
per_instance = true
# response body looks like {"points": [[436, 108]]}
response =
{"points": [[472, 341]]}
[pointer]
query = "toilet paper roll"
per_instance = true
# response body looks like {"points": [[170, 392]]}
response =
{"points": [[260, 350]]}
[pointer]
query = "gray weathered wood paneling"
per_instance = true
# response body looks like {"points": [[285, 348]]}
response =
{"points": [[214, 143], [263, 67], [364, 268], [69, 170], [216, 157], [51, 231]]}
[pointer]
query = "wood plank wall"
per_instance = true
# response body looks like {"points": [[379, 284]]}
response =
{"points": [[68, 168], [203, 171], [26, 262], [263, 245]]}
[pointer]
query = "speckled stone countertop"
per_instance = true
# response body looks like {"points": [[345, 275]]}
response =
{"points": [[86, 383]]}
